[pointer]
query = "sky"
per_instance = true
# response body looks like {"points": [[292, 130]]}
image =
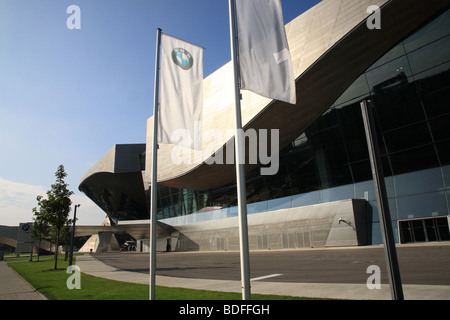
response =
{"points": [[67, 96]]}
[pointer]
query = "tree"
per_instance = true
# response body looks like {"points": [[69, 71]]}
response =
{"points": [[40, 229], [56, 208]]}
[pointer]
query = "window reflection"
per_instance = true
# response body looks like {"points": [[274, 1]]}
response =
{"points": [[392, 73], [430, 56], [439, 28]]}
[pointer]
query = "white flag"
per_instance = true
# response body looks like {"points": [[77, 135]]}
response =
{"points": [[264, 57], [181, 93]]}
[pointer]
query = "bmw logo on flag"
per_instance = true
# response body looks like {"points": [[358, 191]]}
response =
{"points": [[182, 58]]}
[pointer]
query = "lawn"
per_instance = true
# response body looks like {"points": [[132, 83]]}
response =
{"points": [[52, 284]]}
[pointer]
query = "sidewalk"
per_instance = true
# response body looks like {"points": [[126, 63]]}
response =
{"points": [[14, 287], [92, 266]]}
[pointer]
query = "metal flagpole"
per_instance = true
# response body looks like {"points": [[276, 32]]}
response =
{"points": [[382, 200], [240, 162], [154, 182]]}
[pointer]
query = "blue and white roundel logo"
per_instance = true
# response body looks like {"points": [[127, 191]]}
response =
{"points": [[182, 58]]}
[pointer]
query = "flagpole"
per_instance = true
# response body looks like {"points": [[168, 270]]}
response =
{"points": [[154, 181], [390, 251], [240, 162]]}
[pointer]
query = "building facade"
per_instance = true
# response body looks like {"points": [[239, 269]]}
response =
{"points": [[324, 176]]}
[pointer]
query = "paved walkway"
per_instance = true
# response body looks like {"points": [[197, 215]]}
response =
{"points": [[14, 287], [88, 264]]}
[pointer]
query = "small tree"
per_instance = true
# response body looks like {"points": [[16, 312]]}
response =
{"points": [[40, 229], [56, 208]]}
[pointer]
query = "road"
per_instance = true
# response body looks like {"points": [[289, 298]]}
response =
{"points": [[423, 264]]}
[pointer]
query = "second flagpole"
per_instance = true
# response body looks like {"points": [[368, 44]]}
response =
{"points": [[154, 180], [240, 162]]}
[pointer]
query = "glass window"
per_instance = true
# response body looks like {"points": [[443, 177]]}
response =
{"points": [[440, 128], [278, 204], [388, 75], [423, 205], [392, 209], [358, 89], [361, 171], [412, 95], [434, 79], [437, 103], [336, 156], [446, 176], [414, 159], [233, 211], [257, 207], [351, 122], [377, 237], [339, 193], [408, 137], [437, 29], [365, 190], [430, 56], [327, 138], [306, 199], [357, 150], [418, 182], [394, 53], [399, 107], [340, 176], [443, 150], [327, 120]]}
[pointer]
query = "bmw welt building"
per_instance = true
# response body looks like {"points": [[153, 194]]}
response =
{"points": [[323, 193]]}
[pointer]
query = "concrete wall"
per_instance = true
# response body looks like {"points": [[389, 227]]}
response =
{"points": [[335, 224]]}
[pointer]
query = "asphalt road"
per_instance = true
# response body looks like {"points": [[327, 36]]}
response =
{"points": [[427, 264]]}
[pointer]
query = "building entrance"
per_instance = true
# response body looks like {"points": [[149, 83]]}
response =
{"points": [[424, 230]]}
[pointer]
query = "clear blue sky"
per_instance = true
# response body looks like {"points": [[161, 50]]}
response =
{"points": [[68, 96]]}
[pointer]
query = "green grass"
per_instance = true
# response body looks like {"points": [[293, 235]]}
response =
{"points": [[53, 285]]}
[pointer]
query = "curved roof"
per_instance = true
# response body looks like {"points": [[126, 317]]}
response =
{"points": [[116, 185], [331, 46]]}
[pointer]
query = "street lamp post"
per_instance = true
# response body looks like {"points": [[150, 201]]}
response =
{"points": [[73, 234]]}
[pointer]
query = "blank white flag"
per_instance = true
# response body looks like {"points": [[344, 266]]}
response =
{"points": [[264, 57], [181, 93]]}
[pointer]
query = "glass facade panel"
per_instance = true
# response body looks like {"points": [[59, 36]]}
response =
{"points": [[414, 159], [306, 199], [443, 150], [439, 28], [389, 74], [357, 91], [339, 193], [430, 56], [446, 176], [419, 182], [364, 190], [439, 129], [433, 80], [408, 137], [436, 103], [257, 207], [278, 204], [394, 53], [399, 106]]}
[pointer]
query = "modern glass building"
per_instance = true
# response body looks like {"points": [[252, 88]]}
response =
{"points": [[410, 85], [329, 161]]}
